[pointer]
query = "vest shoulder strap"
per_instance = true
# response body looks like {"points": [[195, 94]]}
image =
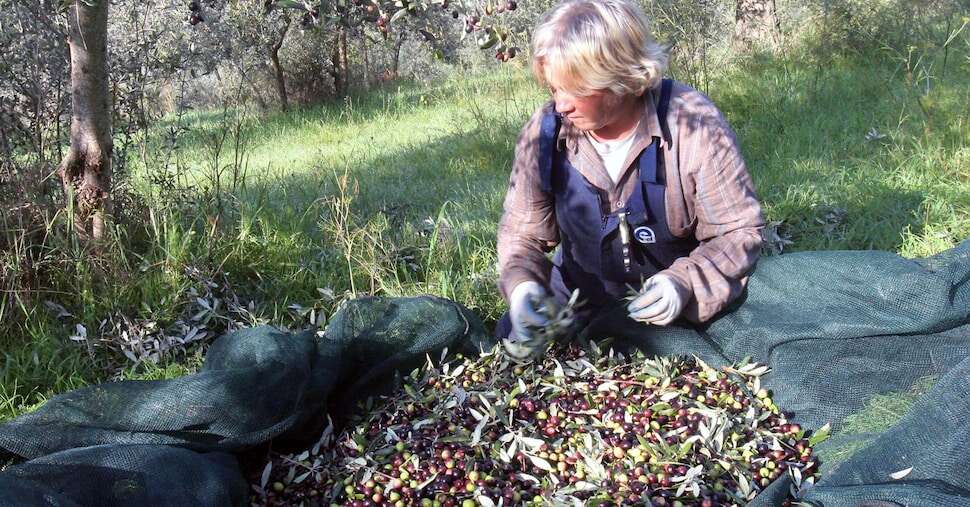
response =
{"points": [[552, 122], [548, 134], [665, 86]]}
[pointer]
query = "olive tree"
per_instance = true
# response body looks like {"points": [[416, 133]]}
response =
{"points": [[85, 170], [756, 23], [33, 69], [398, 20]]}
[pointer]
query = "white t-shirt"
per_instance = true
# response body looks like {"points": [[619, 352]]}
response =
{"points": [[613, 153]]}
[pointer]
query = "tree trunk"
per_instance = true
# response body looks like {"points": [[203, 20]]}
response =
{"points": [[756, 22], [86, 169], [57, 119], [244, 76], [396, 62], [335, 66], [344, 67], [338, 62], [4, 143], [274, 57], [38, 121], [368, 78]]}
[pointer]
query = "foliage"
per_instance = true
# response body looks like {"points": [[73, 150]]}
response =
{"points": [[860, 25], [696, 33], [33, 94]]}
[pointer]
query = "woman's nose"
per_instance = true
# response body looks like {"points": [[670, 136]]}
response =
{"points": [[564, 103]]}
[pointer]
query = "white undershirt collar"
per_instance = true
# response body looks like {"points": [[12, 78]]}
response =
{"points": [[613, 153]]}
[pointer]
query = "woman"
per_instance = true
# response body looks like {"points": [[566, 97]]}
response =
{"points": [[637, 179]]}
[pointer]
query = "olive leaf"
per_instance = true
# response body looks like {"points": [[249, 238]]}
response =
{"points": [[264, 477], [820, 435], [900, 474], [540, 463], [397, 16], [477, 434]]}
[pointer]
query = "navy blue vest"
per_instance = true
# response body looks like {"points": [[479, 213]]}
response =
{"points": [[589, 257]]}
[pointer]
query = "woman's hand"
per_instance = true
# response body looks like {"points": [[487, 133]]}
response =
{"points": [[523, 310], [659, 302]]}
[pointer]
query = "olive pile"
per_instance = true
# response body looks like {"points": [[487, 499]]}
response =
{"points": [[574, 428]]}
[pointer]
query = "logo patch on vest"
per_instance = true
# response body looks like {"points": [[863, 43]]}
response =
{"points": [[644, 235]]}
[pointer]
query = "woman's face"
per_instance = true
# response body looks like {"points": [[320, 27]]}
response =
{"points": [[587, 112]]}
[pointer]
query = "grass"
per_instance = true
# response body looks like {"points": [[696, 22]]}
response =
{"points": [[398, 192], [880, 413], [806, 148]]}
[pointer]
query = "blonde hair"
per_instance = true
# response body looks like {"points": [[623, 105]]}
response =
{"points": [[587, 45]]}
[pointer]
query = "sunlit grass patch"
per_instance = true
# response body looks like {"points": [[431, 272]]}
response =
{"points": [[880, 413]]}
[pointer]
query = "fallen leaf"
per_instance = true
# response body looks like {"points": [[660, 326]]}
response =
{"points": [[900, 474]]}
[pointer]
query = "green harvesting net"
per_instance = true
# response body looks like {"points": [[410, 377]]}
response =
{"points": [[876, 345]]}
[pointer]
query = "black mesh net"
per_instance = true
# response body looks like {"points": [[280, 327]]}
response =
{"points": [[118, 474], [839, 330]]}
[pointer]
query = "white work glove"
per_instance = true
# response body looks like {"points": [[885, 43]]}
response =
{"points": [[525, 341], [658, 303], [523, 305]]}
